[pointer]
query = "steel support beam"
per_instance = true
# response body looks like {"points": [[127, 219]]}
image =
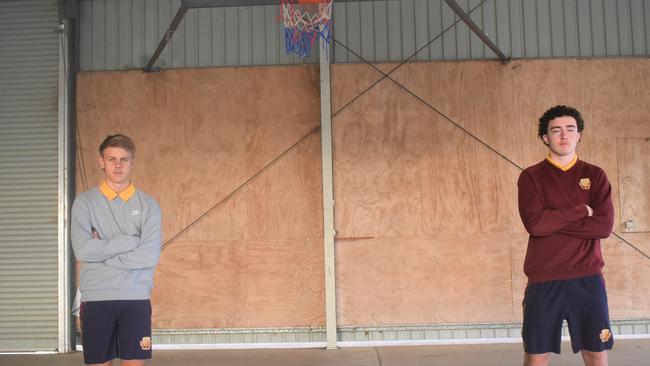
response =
{"points": [[475, 28], [197, 4], [180, 14]]}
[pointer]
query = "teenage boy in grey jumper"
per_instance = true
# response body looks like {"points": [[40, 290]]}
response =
{"points": [[116, 235]]}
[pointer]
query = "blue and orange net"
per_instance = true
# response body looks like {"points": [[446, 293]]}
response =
{"points": [[306, 21]]}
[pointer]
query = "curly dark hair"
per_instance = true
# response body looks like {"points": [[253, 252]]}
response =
{"points": [[117, 141], [559, 111]]}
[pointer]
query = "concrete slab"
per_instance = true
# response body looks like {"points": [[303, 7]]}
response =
{"points": [[630, 352]]}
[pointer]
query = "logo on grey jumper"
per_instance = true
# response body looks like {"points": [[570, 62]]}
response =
{"points": [[135, 213]]}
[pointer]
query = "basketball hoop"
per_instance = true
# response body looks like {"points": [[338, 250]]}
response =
{"points": [[305, 21]]}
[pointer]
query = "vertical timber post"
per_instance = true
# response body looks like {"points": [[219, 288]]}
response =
{"points": [[328, 194]]}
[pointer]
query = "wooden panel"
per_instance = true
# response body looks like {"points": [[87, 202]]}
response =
{"points": [[626, 273], [426, 216], [200, 134], [406, 176], [387, 281], [634, 181], [390, 150], [240, 284], [518, 245], [377, 174]]}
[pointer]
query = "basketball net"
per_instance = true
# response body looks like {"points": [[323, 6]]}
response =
{"points": [[305, 21]]}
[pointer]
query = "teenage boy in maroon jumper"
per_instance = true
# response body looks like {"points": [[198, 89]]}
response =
{"points": [[566, 206]]}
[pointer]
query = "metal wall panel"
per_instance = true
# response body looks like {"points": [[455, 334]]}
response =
{"points": [[571, 29], [520, 28], [637, 22], [29, 135], [360, 335], [597, 27], [122, 34]]}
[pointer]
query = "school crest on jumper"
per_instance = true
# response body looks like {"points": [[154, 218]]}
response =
{"points": [[585, 183]]}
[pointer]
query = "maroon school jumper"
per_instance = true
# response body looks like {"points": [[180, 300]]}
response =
{"points": [[564, 241]]}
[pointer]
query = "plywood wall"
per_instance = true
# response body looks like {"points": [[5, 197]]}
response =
{"points": [[426, 215], [634, 182], [255, 260]]}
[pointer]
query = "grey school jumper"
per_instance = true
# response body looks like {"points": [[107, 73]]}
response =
{"points": [[121, 263]]}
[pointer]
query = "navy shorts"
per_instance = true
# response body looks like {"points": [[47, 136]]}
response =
{"points": [[115, 329], [581, 301]]}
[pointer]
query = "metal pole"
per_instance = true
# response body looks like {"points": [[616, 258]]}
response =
{"points": [[63, 252], [328, 195]]}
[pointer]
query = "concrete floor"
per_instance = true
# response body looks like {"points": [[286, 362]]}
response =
{"points": [[631, 352]]}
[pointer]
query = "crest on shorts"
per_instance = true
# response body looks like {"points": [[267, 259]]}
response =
{"points": [[145, 343], [585, 183], [605, 335]]}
